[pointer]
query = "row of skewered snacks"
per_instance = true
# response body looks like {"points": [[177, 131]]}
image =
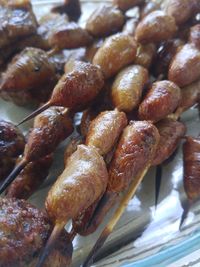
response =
{"points": [[131, 76]]}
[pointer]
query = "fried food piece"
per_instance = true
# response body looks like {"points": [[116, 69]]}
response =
{"points": [[12, 140], [72, 147], [191, 154], [165, 54], [181, 10], [83, 181], [135, 149], [195, 35], [30, 179], [130, 26], [190, 96], [24, 231], [155, 27], [88, 115], [171, 133], [127, 4], [70, 36], [128, 86], [27, 73], [104, 21], [49, 129], [185, 66], [92, 49], [16, 22], [116, 52], [161, 100], [105, 130], [145, 55], [78, 86]]}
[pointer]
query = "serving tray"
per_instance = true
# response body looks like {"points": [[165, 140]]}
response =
{"points": [[144, 237]]}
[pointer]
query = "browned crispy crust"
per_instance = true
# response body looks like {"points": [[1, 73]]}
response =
{"points": [[171, 133], [135, 149], [155, 27], [24, 231], [104, 21], [191, 160], [185, 66], [78, 87], [161, 100], [50, 128]]}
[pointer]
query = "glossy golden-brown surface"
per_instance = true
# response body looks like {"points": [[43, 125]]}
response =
{"points": [[128, 86], [135, 150], [104, 21], [15, 23], [155, 27], [105, 130], [82, 182], [181, 10], [191, 159], [185, 66], [171, 133], [49, 129], [79, 86], [161, 100], [145, 55], [116, 52], [24, 231]]}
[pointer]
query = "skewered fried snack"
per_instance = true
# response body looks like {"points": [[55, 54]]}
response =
{"points": [[185, 66], [128, 86], [165, 54], [191, 167], [30, 74], [12, 144], [190, 97], [145, 55], [30, 179], [92, 49], [181, 10], [195, 35], [86, 171], [57, 32], [191, 150], [49, 129], [105, 130], [16, 21], [171, 133], [71, 7], [75, 89], [24, 231], [133, 155], [127, 4], [163, 96], [104, 21], [155, 27], [116, 52]]}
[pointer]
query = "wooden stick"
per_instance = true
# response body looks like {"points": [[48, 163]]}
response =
{"points": [[117, 215], [13, 175], [35, 113], [50, 243]]}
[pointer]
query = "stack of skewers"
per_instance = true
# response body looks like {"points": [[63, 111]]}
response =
{"points": [[132, 81]]}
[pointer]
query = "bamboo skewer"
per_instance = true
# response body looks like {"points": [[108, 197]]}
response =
{"points": [[117, 215]]}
